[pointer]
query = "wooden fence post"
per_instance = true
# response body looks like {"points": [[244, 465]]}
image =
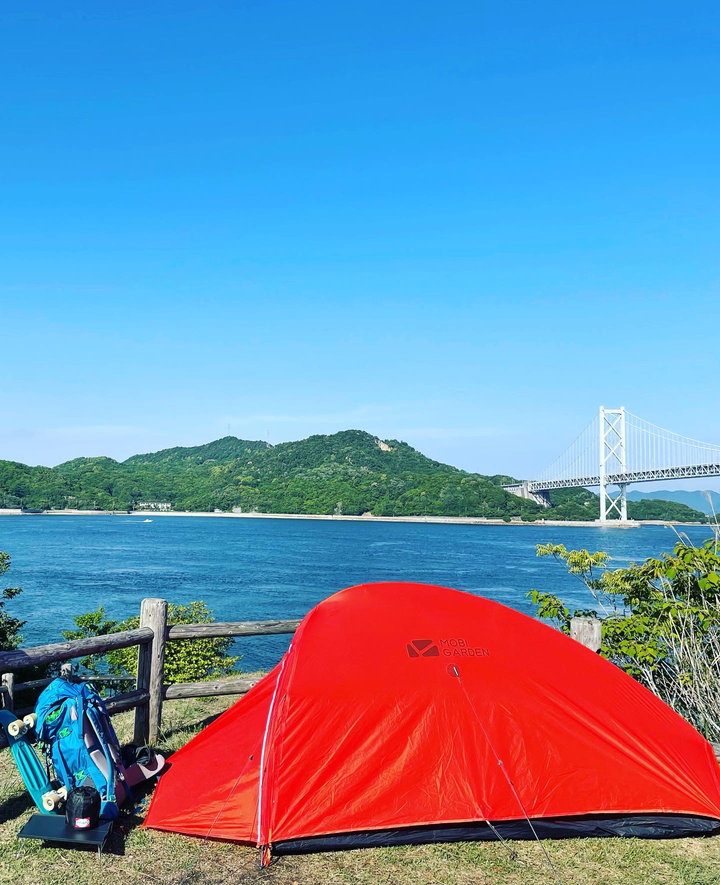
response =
{"points": [[151, 660], [587, 631], [8, 684]]}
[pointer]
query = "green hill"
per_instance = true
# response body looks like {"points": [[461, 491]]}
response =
{"points": [[706, 502], [351, 472], [668, 511], [582, 504]]}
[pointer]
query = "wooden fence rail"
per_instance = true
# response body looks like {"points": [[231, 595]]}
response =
{"points": [[74, 648], [151, 638], [208, 689], [231, 628], [41, 683]]}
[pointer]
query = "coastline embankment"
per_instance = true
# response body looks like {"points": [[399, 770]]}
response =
{"points": [[442, 520]]}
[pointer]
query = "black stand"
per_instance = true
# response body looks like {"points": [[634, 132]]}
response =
{"points": [[54, 828]]}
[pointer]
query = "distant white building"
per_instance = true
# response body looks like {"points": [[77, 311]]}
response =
{"points": [[161, 506]]}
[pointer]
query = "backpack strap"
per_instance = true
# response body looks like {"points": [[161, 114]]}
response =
{"points": [[84, 708], [96, 724], [49, 726]]}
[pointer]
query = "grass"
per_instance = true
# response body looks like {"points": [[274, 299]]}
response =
{"points": [[138, 857]]}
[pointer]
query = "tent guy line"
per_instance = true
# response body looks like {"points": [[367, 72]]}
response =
{"points": [[455, 671]]}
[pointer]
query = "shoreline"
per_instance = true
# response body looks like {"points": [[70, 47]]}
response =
{"points": [[439, 520]]}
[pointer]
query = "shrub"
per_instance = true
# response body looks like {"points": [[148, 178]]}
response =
{"points": [[10, 627], [189, 660]]}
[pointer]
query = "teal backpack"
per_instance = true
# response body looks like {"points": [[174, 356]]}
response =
{"points": [[74, 727]]}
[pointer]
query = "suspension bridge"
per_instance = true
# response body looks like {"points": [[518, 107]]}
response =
{"points": [[616, 449]]}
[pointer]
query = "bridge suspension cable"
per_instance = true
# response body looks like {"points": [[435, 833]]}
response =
{"points": [[579, 458], [651, 446]]}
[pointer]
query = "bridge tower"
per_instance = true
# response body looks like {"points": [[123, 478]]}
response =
{"points": [[613, 460]]}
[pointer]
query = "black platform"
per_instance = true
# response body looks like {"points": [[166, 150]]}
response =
{"points": [[54, 828]]}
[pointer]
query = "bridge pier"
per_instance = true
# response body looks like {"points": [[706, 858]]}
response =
{"points": [[613, 455], [613, 504]]}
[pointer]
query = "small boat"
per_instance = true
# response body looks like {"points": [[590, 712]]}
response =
{"points": [[147, 520]]}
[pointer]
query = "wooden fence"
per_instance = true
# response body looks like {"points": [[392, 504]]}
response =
{"points": [[150, 689], [151, 637]]}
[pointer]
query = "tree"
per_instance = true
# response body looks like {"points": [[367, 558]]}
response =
{"points": [[191, 660], [10, 627]]}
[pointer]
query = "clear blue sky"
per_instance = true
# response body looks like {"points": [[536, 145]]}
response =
{"points": [[461, 224]]}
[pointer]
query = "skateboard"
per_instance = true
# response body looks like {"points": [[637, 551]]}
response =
{"points": [[139, 772], [31, 769]]}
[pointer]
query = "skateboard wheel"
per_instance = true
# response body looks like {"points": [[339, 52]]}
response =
{"points": [[16, 728], [30, 720], [51, 800]]}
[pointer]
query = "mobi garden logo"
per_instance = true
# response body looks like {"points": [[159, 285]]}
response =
{"points": [[447, 648], [423, 648]]}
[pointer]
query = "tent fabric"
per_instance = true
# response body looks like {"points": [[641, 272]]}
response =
{"points": [[403, 711]]}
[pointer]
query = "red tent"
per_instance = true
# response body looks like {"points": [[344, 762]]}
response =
{"points": [[412, 713]]}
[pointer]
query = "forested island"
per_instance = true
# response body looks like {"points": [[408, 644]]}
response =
{"points": [[346, 473]]}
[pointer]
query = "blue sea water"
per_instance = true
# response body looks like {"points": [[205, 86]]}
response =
{"points": [[257, 569]]}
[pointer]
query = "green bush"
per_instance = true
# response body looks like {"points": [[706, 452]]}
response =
{"points": [[188, 660], [10, 636]]}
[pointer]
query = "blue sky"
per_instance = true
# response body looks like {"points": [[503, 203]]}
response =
{"points": [[465, 225]]}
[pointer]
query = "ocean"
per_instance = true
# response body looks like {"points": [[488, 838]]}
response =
{"points": [[258, 569]]}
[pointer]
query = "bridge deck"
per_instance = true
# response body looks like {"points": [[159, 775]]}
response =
{"points": [[691, 470]]}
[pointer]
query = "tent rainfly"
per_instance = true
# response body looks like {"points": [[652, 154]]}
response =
{"points": [[407, 713]]}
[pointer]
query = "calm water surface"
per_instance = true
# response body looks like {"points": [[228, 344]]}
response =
{"points": [[247, 569]]}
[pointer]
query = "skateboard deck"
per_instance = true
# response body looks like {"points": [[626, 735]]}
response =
{"points": [[31, 769], [138, 772]]}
